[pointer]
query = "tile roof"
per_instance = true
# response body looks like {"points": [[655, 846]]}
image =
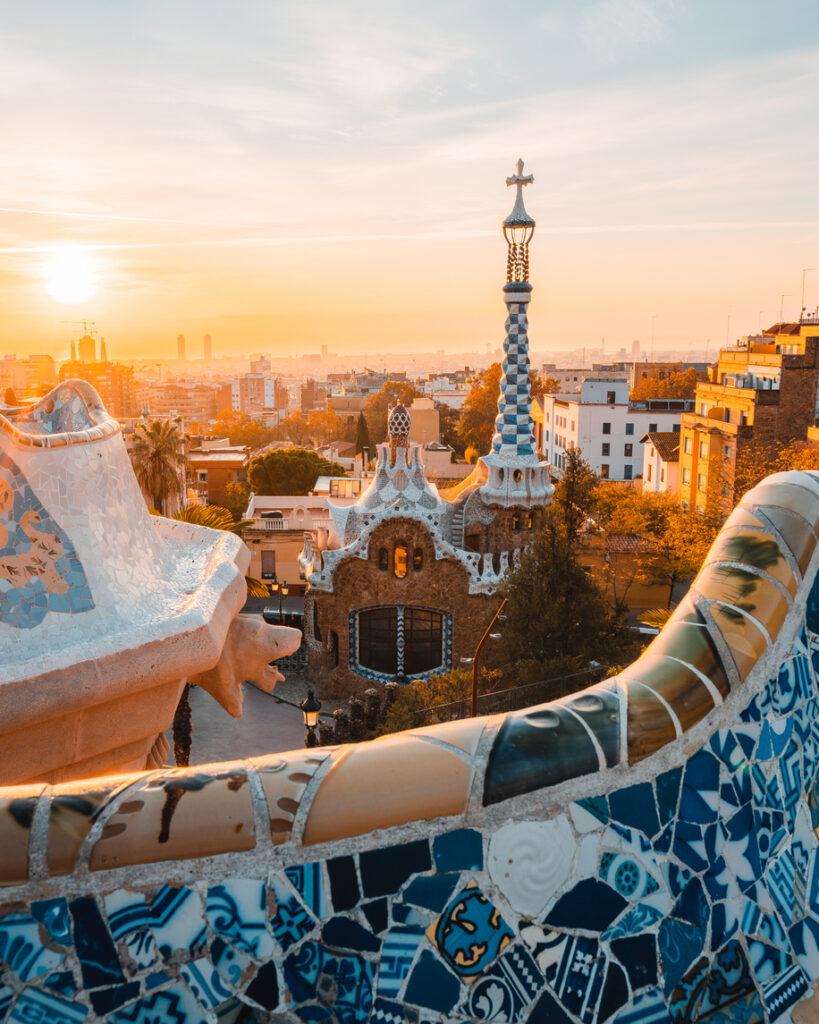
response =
{"points": [[667, 443]]}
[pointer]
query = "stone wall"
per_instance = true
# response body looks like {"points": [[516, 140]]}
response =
{"points": [[441, 584], [643, 851]]}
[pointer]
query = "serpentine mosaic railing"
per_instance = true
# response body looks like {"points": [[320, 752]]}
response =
{"points": [[642, 851]]}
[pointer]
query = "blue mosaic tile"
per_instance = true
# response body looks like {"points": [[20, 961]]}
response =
{"points": [[591, 905], [343, 883], [291, 921], [597, 806], [106, 1000], [307, 881], [344, 933], [470, 933], [384, 871], [376, 913], [173, 1005], [667, 786], [577, 979], [264, 988], [53, 915], [547, 1010], [39, 567], [461, 850], [638, 954], [237, 910], [98, 958], [680, 943], [177, 920], [432, 985], [387, 1012], [22, 950], [314, 972], [504, 991], [205, 983], [615, 993], [61, 982], [232, 964], [635, 806], [397, 957], [34, 1006], [431, 893]]}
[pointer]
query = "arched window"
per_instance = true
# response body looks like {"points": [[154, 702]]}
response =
{"points": [[517, 476], [417, 559], [383, 559], [399, 642], [516, 522], [530, 521], [399, 560]]}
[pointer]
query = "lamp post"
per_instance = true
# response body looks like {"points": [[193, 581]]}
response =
{"points": [[310, 708], [473, 661], [282, 590]]}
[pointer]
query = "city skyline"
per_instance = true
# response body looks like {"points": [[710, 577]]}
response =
{"points": [[286, 178]]}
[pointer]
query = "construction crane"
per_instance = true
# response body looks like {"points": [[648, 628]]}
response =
{"points": [[85, 325]]}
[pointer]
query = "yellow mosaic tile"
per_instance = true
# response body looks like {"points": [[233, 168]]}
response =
{"points": [[679, 687], [752, 594], [16, 813], [177, 814], [756, 548], [783, 495], [796, 533], [745, 641], [688, 641], [284, 780], [465, 734], [649, 724], [367, 788], [72, 811]]}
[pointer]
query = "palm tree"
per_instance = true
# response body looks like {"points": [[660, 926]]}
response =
{"points": [[217, 518], [159, 460]]}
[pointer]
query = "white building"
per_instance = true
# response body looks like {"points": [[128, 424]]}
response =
{"points": [[605, 426], [661, 461]]}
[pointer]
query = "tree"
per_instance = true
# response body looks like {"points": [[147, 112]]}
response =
{"points": [[294, 428], [679, 549], [549, 386], [391, 393], [10, 398], [240, 429], [575, 494], [477, 423], [675, 385], [362, 436], [450, 435], [324, 425], [234, 498], [289, 471], [555, 608], [159, 461]]}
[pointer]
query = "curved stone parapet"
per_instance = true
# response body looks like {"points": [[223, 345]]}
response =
{"points": [[641, 851]]}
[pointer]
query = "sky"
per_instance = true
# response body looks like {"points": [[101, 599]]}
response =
{"points": [[289, 175]]}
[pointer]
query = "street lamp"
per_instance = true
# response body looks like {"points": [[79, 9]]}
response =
{"points": [[310, 708], [473, 661], [282, 590]]}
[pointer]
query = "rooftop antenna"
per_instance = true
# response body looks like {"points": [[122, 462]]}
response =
{"points": [[802, 306], [782, 297], [759, 321]]}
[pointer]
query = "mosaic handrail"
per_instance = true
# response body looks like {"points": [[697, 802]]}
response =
{"points": [[72, 413], [640, 850]]}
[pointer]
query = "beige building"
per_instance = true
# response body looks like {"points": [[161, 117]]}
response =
{"points": [[425, 422], [661, 458]]}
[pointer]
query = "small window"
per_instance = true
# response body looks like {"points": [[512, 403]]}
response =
{"points": [[268, 565], [604, 471], [606, 449], [515, 522], [383, 559], [629, 429], [727, 452], [687, 446], [606, 428], [628, 450], [417, 559], [686, 477], [652, 428], [530, 521], [662, 474], [648, 472], [517, 476], [399, 560], [700, 482], [201, 476], [611, 397], [703, 449], [627, 473]]}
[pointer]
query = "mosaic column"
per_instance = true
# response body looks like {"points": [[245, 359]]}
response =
{"points": [[513, 424]]}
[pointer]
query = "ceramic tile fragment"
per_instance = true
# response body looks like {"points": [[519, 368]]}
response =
{"points": [[747, 591], [178, 814], [681, 689], [237, 909], [686, 639], [530, 860], [744, 639], [650, 725], [73, 809], [758, 549], [461, 850], [284, 782], [384, 871], [16, 813], [22, 948], [365, 789], [785, 495], [470, 933], [797, 534]]}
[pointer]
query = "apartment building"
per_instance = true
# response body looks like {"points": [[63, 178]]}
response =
{"points": [[605, 426], [764, 389]]}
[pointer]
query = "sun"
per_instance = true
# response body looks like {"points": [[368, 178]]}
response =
{"points": [[71, 276]]}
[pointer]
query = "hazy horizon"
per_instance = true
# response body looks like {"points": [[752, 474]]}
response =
{"points": [[284, 177]]}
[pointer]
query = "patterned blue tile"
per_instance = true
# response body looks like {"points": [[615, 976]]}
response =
{"points": [[397, 956], [470, 933], [314, 972], [431, 985], [308, 882], [22, 950], [177, 920], [291, 921], [34, 1006], [504, 991], [237, 910]]}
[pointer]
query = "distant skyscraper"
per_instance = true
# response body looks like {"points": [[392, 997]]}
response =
{"points": [[103, 353], [73, 351], [87, 349], [635, 350], [180, 346], [208, 347]]}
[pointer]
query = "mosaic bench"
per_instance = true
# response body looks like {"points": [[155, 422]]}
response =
{"points": [[643, 851]]}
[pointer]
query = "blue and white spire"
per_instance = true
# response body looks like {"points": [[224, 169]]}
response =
{"points": [[515, 474]]}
